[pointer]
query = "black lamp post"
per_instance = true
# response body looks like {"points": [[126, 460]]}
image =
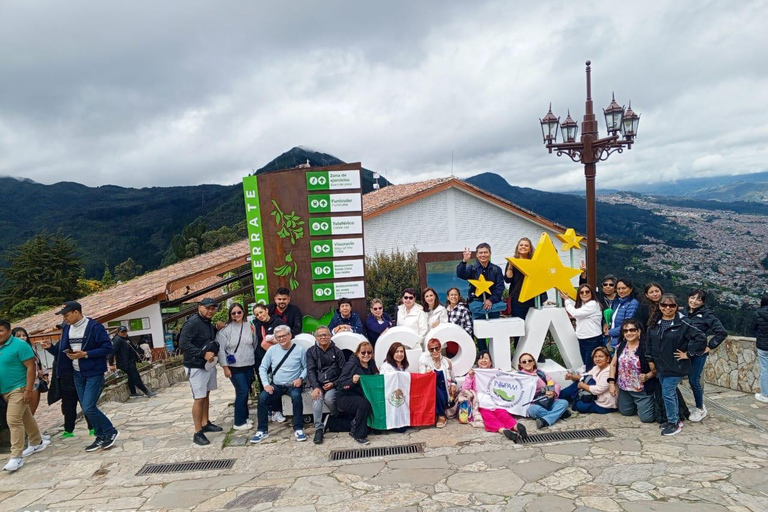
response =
{"points": [[590, 150]]}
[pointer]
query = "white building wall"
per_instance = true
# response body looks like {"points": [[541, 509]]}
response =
{"points": [[155, 323], [454, 219]]}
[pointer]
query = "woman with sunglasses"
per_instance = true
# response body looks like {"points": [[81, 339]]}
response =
{"points": [[554, 408], [237, 347], [624, 309], [377, 321], [351, 398], [410, 314], [672, 342], [494, 420], [633, 378], [700, 316], [445, 387], [589, 321]]}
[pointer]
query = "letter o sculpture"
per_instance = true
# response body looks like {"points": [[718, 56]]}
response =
{"points": [[406, 336], [465, 358]]}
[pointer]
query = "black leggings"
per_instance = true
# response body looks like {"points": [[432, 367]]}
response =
{"points": [[360, 408], [69, 400], [134, 379]]}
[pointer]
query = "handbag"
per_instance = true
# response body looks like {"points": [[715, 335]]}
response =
{"points": [[329, 375], [274, 371], [583, 395], [231, 359]]}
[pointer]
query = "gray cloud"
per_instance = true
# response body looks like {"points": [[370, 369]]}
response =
{"points": [[187, 92]]}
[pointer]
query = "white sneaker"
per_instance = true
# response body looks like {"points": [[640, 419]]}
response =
{"points": [[244, 426], [14, 464], [34, 449], [696, 414], [761, 398], [703, 411], [278, 417], [46, 437]]}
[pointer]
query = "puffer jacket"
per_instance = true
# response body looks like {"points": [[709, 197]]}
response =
{"points": [[197, 337], [625, 309], [705, 320], [681, 335], [760, 327]]}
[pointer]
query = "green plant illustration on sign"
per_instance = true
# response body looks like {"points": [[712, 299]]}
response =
{"points": [[290, 224], [289, 268], [503, 395], [310, 323]]}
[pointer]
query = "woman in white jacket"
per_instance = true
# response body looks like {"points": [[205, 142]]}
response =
{"points": [[589, 321], [410, 314], [436, 312]]}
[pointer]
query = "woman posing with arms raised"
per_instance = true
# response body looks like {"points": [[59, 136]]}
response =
{"points": [[351, 398], [589, 321], [434, 361], [701, 317], [672, 342], [633, 379], [624, 309], [495, 420]]}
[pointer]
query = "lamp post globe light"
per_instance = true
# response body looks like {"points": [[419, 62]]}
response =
{"points": [[589, 150]]}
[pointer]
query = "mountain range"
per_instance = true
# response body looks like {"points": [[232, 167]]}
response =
{"points": [[743, 187]]}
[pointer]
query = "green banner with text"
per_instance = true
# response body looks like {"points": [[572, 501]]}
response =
{"points": [[256, 240]]}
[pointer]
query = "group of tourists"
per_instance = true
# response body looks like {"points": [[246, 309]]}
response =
{"points": [[636, 351]]}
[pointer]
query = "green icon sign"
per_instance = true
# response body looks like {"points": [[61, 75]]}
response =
{"points": [[319, 226], [322, 292], [321, 248], [317, 180], [323, 270], [319, 203]]}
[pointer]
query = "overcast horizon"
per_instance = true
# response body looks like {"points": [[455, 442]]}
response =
{"points": [[183, 93]]}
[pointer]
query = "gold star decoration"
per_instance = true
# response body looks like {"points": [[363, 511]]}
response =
{"points": [[570, 239], [544, 271], [481, 285]]}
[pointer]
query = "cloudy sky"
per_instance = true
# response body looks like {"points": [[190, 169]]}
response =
{"points": [[185, 92]]}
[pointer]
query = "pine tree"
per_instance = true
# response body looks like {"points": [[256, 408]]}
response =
{"points": [[107, 280], [127, 270]]}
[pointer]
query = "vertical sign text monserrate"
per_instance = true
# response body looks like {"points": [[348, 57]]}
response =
{"points": [[256, 240]]}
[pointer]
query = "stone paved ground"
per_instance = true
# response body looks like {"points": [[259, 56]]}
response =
{"points": [[720, 464]]}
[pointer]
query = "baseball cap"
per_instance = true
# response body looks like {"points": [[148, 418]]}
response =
{"points": [[68, 306], [122, 328], [207, 302]]}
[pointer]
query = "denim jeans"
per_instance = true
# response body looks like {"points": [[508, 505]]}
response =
{"points": [[558, 408], [694, 379], [637, 402], [89, 391], [242, 379], [275, 398], [586, 346], [478, 313], [590, 407], [669, 393], [329, 398], [762, 356]]}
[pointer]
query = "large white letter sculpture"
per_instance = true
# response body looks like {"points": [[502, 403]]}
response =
{"points": [[498, 331], [406, 336], [304, 340], [555, 320], [465, 358], [346, 340]]}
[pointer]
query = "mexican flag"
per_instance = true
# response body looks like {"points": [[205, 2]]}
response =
{"points": [[400, 399]]}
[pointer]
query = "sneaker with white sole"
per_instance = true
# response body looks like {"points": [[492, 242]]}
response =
{"points": [[671, 429], [696, 414], [109, 441], [278, 417], [300, 435], [703, 412], [761, 398], [34, 449], [14, 464], [259, 437], [244, 426]]}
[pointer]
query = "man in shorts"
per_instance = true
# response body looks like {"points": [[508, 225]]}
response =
{"points": [[198, 341]]}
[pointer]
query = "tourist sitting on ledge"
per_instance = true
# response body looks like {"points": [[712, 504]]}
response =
{"points": [[396, 361], [495, 420], [351, 398], [412, 315], [589, 392], [445, 388], [345, 319], [546, 408]]}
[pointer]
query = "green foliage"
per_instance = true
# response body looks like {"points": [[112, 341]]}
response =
{"points": [[388, 274], [42, 272], [197, 238], [127, 270], [290, 223], [107, 279]]}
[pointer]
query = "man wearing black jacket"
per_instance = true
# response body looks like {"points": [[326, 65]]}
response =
{"points": [[125, 358], [198, 341], [324, 364], [289, 313]]}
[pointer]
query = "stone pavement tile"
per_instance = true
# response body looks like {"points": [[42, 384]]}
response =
{"points": [[24, 498], [575, 449], [125, 503], [415, 477], [366, 470], [550, 503], [627, 474], [713, 451], [535, 471], [566, 478], [428, 462], [502, 482], [624, 445], [660, 506], [753, 481], [383, 500]]}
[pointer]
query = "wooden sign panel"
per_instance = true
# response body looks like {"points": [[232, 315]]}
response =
{"points": [[311, 235]]}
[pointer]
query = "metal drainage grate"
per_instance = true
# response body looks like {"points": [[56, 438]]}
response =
{"points": [[566, 435], [179, 467], [377, 452]]}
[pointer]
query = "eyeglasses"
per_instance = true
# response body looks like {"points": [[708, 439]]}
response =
{"points": [[585, 292], [323, 336], [377, 309], [407, 297], [434, 349], [608, 284], [283, 337], [238, 313], [629, 329], [667, 305], [526, 361], [366, 353]]}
